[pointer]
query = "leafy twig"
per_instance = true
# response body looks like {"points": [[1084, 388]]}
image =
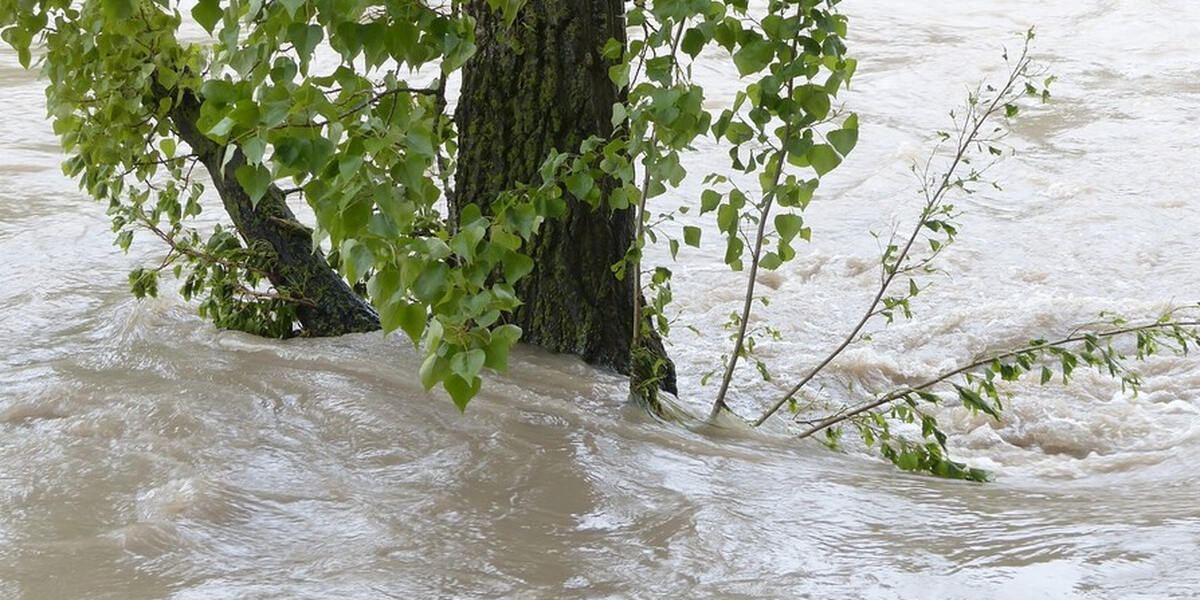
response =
{"points": [[967, 139]]}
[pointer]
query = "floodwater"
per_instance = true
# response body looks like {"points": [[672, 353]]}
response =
{"points": [[144, 454]]}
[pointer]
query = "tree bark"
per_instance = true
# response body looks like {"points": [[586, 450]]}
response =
{"points": [[298, 268], [539, 85]]}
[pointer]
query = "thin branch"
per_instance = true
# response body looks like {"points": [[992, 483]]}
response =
{"points": [[898, 394], [372, 100], [755, 258], [180, 249], [192, 252], [965, 140], [245, 291]]}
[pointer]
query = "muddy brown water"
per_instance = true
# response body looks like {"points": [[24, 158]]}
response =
{"points": [[144, 454]]}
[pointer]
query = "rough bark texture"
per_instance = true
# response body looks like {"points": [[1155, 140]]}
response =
{"points": [[540, 85], [298, 269]]}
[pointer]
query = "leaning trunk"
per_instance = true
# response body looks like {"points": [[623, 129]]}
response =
{"points": [[332, 308], [539, 85]]}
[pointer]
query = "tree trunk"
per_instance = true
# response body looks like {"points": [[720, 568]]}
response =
{"points": [[542, 84], [298, 268]]}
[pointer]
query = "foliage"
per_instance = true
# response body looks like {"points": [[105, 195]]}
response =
{"points": [[345, 101], [1105, 347], [974, 146], [782, 130], [363, 141], [368, 144]]}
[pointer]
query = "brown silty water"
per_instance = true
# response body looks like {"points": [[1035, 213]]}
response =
{"points": [[145, 454]]}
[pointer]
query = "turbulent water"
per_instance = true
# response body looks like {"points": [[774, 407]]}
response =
{"points": [[144, 454]]}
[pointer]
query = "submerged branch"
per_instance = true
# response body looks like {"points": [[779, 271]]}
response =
{"points": [[896, 395]]}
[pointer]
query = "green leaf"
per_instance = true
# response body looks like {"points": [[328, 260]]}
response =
{"points": [[356, 260], [253, 148], [516, 266], [430, 283], [465, 241], [754, 55], [460, 51], [407, 316], [124, 239], [770, 261], [468, 363], [817, 105], [733, 253], [693, 42], [580, 184], [433, 370], [292, 6], [612, 49], [907, 460], [739, 133], [844, 139], [691, 236], [507, 8], [503, 338], [462, 391], [727, 218], [619, 74], [788, 226], [221, 130], [305, 38], [117, 10], [207, 13], [823, 158], [971, 400], [219, 92], [709, 200], [255, 180]]}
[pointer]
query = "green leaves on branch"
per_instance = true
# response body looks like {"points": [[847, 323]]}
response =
{"points": [[366, 141], [1106, 348], [208, 13], [793, 65]]}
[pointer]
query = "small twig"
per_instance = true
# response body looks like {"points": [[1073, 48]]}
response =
{"points": [[192, 252], [245, 291], [166, 161], [369, 101], [178, 248]]}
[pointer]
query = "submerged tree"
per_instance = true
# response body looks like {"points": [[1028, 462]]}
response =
{"points": [[370, 145], [518, 208], [534, 86]]}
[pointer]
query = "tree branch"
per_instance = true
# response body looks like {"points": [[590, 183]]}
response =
{"points": [[901, 393], [932, 203]]}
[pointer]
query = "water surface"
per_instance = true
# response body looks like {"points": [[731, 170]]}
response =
{"points": [[144, 454]]}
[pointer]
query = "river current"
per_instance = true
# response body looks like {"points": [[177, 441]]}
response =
{"points": [[145, 454]]}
